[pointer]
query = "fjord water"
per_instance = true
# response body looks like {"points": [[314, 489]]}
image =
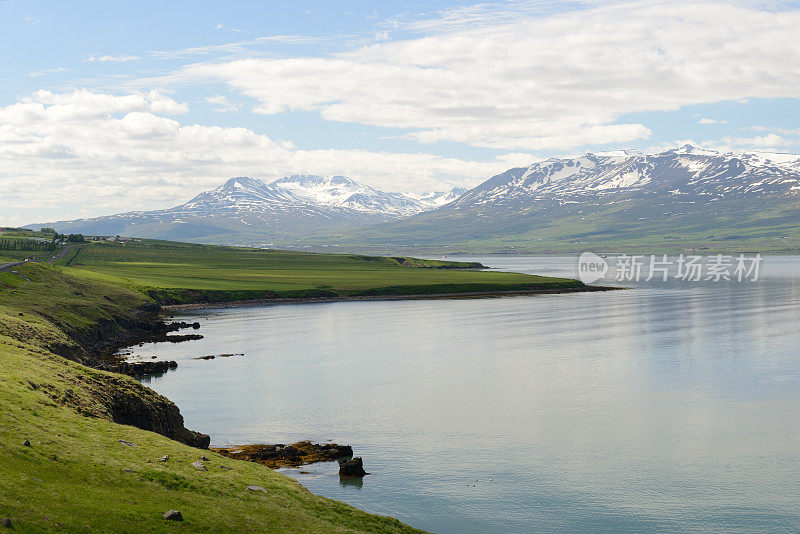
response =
{"points": [[670, 406]]}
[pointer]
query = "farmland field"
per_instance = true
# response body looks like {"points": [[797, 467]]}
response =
{"points": [[166, 265]]}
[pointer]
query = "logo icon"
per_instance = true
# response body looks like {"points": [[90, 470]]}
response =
{"points": [[591, 267]]}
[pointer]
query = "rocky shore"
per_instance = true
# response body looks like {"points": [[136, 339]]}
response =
{"points": [[280, 455]]}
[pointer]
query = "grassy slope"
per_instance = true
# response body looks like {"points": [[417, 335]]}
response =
{"points": [[72, 477], [162, 269]]}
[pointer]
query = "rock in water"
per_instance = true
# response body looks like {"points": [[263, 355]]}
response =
{"points": [[351, 468], [199, 465], [173, 515]]}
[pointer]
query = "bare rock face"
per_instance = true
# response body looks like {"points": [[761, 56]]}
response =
{"points": [[353, 467], [130, 403]]}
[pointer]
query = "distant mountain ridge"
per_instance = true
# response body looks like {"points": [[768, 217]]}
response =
{"points": [[248, 211], [618, 198]]}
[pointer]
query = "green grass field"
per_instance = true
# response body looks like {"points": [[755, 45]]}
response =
{"points": [[168, 269]]}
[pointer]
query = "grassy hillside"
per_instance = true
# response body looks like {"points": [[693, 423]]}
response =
{"points": [[179, 272], [76, 476]]}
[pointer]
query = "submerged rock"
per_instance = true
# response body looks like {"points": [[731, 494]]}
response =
{"points": [[353, 467]]}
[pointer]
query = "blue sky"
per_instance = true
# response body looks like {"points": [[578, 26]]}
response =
{"points": [[113, 106]]}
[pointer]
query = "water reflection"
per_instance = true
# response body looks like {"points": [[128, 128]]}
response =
{"points": [[351, 482]]}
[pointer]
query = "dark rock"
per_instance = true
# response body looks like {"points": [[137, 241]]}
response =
{"points": [[21, 314], [26, 443], [164, 458], [6, 522], [138, 369], [225, 468], [199, 465], [203, 458], [173, 515], [182, 337], [196, 326], [127, 470], [255, 488], [351, 468], [209, 357]]}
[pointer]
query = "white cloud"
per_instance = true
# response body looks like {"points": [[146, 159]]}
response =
{"points": [[45, 72], [705, 120], [544, 82], [762, 141], [75, 154], [114, 59], [775, 129], [224, 105]]}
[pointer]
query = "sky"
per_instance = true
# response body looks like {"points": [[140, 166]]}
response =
{"points": [[110, 106]]}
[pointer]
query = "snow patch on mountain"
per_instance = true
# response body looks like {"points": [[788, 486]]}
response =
{"points": [[690, 170]]}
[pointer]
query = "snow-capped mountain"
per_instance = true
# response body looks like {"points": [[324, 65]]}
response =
{"points": [[248, 210], [679, 195], [334, 194], [687, 171]]}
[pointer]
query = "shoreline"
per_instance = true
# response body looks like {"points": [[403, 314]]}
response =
{"points": [[356, 298]]}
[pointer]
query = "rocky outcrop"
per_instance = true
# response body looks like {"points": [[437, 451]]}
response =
{"points": [[133, 404], [301, 453], [126, 401], [354, 467]]}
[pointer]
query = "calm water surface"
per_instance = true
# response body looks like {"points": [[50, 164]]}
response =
{"points": [[665, 407]]}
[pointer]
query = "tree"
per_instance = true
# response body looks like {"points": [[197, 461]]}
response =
{"points": [[76, 238]]}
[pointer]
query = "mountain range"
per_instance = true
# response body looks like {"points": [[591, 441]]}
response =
{"points": [[248, 211], [684, 198]]}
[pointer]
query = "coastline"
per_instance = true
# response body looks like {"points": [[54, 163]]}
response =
{"points": [[345, 298]]}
